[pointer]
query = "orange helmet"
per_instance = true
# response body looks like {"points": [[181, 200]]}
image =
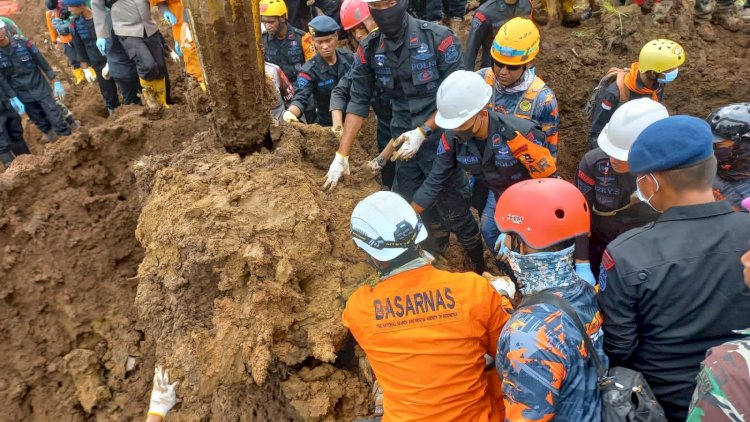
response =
{"points": [[543, 212], [353, 13]]}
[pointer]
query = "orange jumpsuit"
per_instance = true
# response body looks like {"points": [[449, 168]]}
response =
{"points": [[181, 34], [53, 35], [425, 332]]}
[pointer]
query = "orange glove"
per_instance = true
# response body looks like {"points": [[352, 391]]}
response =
{"points": [[537, 159]]}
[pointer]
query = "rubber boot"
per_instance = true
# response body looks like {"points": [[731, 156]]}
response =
{"points": [[160, 89], [727, 19], [78, 75], [148, 94], [6, 158]]}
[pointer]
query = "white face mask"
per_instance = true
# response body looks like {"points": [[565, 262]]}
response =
{"points": [[640, 195]]}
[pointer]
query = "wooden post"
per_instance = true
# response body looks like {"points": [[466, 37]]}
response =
{"points": [[228, 40]]}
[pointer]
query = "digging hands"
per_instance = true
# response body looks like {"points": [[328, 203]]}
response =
{"points": [[408, 144], [105, 71], [289, 117], [89, 74], [583, 270], [339, 167], [18, 105], [59, 91], [337, 130], [163, 395], [503, 285]]}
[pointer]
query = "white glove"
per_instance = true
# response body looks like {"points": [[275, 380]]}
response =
{"points": [[410, 142], [105, 72], [174, 56], [289, 117], [163, 395], [501, 250], [337, 130], [375, 165], [90, 75], [503, 285], [339, 167]]}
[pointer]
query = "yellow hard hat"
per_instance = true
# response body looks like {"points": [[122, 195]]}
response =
{"points": [[660, 55], [516, 42], [273, 8]]}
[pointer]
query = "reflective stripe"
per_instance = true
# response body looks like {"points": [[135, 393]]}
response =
{"points": [[512, 52]]}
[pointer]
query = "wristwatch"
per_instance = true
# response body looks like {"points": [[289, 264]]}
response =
{"points": [[380, 161], [426, 130]]}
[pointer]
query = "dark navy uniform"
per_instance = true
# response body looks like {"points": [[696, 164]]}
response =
{"points": [[123, 70], [670, 291], [608, 102], [487, 20], [614, 210], [84, 39], [381, 105], [12, 143], [409, 72], [22, 64], [317, 79]]}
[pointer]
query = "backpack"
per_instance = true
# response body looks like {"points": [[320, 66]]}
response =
{"points": [[613, 74], [626, 396]]}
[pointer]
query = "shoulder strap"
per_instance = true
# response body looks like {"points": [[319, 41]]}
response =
{"points": [[553, 299]]}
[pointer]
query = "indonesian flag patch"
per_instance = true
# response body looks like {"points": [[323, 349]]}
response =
{"points": [[606, 105]]}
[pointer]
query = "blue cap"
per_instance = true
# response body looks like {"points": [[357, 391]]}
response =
{"points": [[671, 143], [75, 3], [322, 26]]}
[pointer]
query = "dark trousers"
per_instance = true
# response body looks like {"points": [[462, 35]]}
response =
{"points": [[70, 53], [129, 88], [46, 115], [452, 209], [433, 9], [108, 89], [148, 55], [11, 136]]}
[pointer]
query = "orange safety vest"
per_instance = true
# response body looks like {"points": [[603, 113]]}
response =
{"points": [[425, 332], [525, 108]]}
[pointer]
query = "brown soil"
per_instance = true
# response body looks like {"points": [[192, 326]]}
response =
{"points": [[140, 241]]}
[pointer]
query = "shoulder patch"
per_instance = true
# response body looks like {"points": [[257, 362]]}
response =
{"points": [[361, 55], [606, 104], [480, 16], [447, 42], [585, 178], [607, 262]]}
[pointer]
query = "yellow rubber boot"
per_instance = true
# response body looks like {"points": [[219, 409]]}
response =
{"points": [[160, 89], [78, 74], [149, 96]]}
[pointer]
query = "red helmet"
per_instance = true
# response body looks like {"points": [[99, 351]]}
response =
{"points": [[543, 212], [353, 13]]}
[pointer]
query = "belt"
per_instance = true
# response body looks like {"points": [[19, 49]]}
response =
{"points": [[633, 200]]}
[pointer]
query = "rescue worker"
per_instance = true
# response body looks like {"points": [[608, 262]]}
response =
{"points": [[320, 74], [186, 48], [517, 90], [604, 179], [425, 331], [407, 59], [286, 46], [356, 19], [123, 70], [22, 64], [139, 35], [12, 143], [670, 289], [485, 23], [731, 128], [498, 150], [657, 65], [541, 358], [89, 56], [58, 25], [284, 90]]}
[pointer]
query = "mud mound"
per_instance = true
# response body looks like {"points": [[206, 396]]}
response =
{"points": [[246, 264], [67, 260]]}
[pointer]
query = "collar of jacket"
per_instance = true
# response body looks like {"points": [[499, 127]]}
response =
{"points": [[691, 212]]}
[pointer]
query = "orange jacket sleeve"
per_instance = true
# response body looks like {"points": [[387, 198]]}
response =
{"points": [[308, 47], [52, 33]]}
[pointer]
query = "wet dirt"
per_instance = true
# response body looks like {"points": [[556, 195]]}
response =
{"points": [[140, 241]]}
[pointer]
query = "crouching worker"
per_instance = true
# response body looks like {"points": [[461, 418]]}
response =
{"points": [[546, 371], [425, 331]]}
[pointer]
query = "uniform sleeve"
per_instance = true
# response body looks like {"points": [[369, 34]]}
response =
{"points": [[477, 33], [340, 93], [547, 116], [40, 60], [603, 109], [450, 57], [619, 308], [52, 33], [308, 48], [533, 370], [363, 85], [100, 19], [585, 182], [442, 170], [6, 89], [304, 89]]}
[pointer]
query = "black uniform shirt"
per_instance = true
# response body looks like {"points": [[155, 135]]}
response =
{"points": [[318, 78]]}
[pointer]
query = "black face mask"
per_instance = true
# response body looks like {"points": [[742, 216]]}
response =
{"points": [[463, 136], [392, 21]]}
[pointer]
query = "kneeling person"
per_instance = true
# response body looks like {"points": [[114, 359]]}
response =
{"points": [[425, 331]]}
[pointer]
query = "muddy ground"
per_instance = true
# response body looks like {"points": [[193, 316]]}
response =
{"points": [[139, 241]]}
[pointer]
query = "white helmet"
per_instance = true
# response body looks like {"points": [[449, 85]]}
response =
{"points": [[626, 123], [460, 97], [384, 225]]}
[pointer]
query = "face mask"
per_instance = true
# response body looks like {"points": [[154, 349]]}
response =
{"points": [[392, 21], [640, 195], [668, 77], [543, 270]]}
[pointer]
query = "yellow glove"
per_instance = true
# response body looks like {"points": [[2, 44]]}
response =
{"points": [[537, 159]]}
